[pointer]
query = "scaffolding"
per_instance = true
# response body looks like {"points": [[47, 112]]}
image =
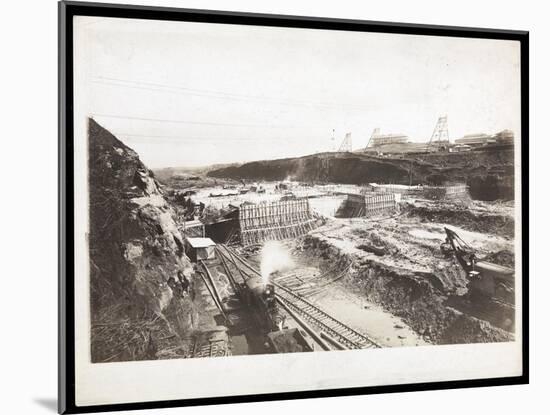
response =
{"points": [[369, 204], [440, 135], [275, 221]]}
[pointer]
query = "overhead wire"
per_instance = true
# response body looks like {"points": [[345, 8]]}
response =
{"points": [[217, 94]]}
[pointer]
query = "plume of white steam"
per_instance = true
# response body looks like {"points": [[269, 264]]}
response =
{"points": [[274, 257]]}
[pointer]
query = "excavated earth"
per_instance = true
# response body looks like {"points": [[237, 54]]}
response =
{"points": [[487, 218], [408, 276]]}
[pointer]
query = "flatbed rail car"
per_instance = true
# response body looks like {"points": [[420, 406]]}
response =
{"points": [[288, 341]]}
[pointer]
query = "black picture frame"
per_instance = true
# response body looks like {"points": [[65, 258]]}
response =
{"points": [[67, 10]]}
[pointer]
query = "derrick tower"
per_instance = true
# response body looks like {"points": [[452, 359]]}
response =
{"points": [[440, 136], [346, 144]]}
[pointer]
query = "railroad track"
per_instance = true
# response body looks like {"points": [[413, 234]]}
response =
{"points": [[311, 313], [341, 332]]}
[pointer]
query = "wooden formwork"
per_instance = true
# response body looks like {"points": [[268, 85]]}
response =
{"points": [[369, 204], [458, 190], [446, 191], [380, 203], [397, 189], [274, 221], [455, 191]]}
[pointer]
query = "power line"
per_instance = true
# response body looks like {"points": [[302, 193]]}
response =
{"points": [[220, 95], [176, 87], [178, 138], [157, 87], [128, 117], [154, 89]]}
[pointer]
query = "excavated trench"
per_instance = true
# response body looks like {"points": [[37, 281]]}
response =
{"points": [[418, 300]]}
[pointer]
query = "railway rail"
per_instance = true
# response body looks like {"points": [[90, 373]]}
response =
{"points": [[306, 310]]}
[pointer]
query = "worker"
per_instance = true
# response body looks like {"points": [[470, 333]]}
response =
{"points": [[192, 290], [152, 348], [184, 283], [171, 283], [473, 260], [175, 286]]}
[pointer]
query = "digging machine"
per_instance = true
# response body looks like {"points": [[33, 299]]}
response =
{"points": [[485, 278]]}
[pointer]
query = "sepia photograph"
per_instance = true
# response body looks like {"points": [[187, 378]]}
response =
{"points": [[284, 191]]}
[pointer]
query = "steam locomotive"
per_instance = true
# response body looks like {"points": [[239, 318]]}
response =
{"points": [[260, 298]]}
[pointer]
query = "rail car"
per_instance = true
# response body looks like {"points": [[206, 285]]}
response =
{"points": [[262, 302], [260, 298]]}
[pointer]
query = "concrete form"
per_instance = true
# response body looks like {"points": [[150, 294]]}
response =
{"points": [[400, 189], [448, 191], [370, 204], [454, 191], [274, 221]]}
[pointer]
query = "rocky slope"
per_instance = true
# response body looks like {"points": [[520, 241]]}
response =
{"points": [[135, 247]]}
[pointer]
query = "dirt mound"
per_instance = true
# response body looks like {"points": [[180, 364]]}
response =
{"points": [[421, 303], [473, 329], [505, 258], [419, 298], [462, 216]]}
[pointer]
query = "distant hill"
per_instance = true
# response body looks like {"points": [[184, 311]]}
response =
{"points": [[167, 173], [490, 174]]}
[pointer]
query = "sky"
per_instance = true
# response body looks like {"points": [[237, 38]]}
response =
{"points": [[193, 94]]}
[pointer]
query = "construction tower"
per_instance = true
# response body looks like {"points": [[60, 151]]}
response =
{"points": [[375, 133], [440, 136], [346, 144]]}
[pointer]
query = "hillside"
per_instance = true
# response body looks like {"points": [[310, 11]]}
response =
{"points": [[168, 173], [135, 247], [490, 175]]}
